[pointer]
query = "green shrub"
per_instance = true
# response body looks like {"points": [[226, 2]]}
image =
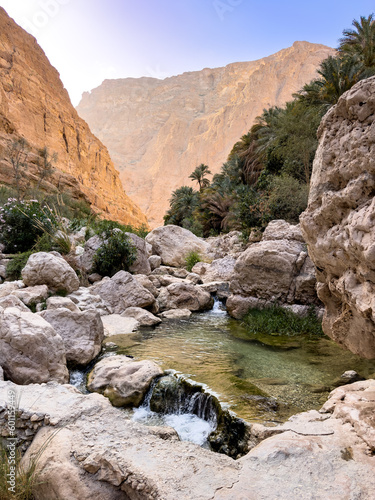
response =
{"points": [[116, 253], [22, 223], [43, 244], [104, 227], [192, 258], [277, 320], [16, 264], [288, 198]]}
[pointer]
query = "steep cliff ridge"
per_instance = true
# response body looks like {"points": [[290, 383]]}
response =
{"points": [[339, 223], [158, 131], [35, 105]]}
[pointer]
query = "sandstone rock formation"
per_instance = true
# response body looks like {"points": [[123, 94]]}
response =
{"points": [[158, 131], [339, 223], [35, 105], [44, 268]]}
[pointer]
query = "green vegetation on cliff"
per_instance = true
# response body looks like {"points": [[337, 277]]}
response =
{"points": [[267, 173]]}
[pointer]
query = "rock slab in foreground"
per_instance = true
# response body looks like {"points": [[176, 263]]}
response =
{"points": [[100, 453], [339, 222]]}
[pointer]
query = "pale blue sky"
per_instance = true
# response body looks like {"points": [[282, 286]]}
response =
{"points": [[90, 40]]}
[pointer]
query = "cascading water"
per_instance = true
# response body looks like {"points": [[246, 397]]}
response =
{"points": [[218, 307], [265, 379], [189, 411]]}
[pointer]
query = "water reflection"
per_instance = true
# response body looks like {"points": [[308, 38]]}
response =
{"points": [[264, 380]]}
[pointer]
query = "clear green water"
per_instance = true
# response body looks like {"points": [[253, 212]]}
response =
{"points": [[213, 349]]}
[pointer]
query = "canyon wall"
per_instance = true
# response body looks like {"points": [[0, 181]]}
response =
{"points": [[35, 105], [158, 131], [339, 223]]}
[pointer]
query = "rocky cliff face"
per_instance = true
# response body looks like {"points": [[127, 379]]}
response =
{"points": [[35, 105], [158, 131], [339, 223]]}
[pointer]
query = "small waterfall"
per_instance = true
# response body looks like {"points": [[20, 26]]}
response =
{"points": [[195, 414], [219, 307], [174, 402]]}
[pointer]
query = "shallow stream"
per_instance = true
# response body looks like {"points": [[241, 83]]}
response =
{"points": [[263, 379]]}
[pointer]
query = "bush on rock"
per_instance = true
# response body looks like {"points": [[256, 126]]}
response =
{"points": [[117, 253]]}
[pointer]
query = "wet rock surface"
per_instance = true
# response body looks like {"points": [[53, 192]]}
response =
{"points": [[123, 380]]}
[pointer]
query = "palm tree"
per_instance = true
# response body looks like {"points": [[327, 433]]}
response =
{"points": [[183, 202], [199, 175], [246, 150], [219, 207], [337, 75], [360, 41]]}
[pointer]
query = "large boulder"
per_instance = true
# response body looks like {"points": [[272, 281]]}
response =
{"points": [[141, 264], [30, 349], [273, 270], [82, 332], [32, 295], [49, 269], [177, 314], [174, 243], [147, 283], [123, 291], [184, 296], [122, 380], [61, 303], [9, 287], [339, 222], [267, 270], [281, 230], [218, 270]]}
